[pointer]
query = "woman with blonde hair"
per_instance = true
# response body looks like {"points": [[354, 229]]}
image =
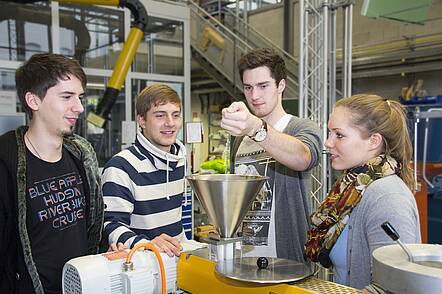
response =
{"points": [[369, 141]]}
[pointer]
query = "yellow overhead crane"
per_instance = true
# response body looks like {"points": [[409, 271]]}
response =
{"points": [[125, 58]]}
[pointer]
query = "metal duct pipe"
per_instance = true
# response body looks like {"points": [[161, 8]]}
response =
{"points": [[68, 21]]}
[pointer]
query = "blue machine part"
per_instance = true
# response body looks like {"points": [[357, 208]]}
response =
{"points": [[435, 211], [434, 149], [436, 191]]}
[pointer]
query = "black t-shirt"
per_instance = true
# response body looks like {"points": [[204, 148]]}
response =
{"points": [[56, 216]]}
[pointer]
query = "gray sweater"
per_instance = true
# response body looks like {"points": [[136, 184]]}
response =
{"points": [[292, 193], [386, 199]]}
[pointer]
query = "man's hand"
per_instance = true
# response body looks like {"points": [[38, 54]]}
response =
{"points": [[116, 247], [238, 121], [170, 245]]}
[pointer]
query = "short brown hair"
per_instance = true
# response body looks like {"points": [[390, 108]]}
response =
{"points": [[264, 57], [156, 94], [43, 71]]}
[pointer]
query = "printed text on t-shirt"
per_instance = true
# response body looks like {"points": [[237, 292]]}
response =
{"points": [[61, 200]]}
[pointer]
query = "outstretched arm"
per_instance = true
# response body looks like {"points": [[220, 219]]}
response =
{"points": [[289, 150]]}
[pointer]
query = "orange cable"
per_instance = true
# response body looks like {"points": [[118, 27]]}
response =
{"points": [[160, 261]]}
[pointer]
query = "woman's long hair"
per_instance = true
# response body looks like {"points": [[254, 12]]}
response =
{"points": [[374, 114]]}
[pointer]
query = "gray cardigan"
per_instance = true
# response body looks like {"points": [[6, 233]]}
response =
{"points": [[386, 199], [292, 193]]}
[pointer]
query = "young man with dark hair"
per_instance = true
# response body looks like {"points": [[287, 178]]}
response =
{"points": [[51, 207], [279, 145], [143, 185]]}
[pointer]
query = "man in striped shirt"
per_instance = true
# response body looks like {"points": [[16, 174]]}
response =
{"points": [[143, 185]]}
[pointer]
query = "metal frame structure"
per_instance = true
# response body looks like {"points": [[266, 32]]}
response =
{"points": [[317, 72], [313, 78], [317, 76]]}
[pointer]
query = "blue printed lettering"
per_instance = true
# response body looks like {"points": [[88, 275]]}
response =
{"points": [[68, 219], [62, 183], [71, 180], [77, 192], [43, 215], [52, 186], [46, 189], [66, 207], [62, 200], [48, 199], [32, 193], [69, 193]]}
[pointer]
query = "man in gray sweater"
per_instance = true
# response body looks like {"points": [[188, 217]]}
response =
{"points": [[279, 145]]}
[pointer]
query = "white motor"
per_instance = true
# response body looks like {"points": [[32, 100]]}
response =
{"points": [[106, 273]]}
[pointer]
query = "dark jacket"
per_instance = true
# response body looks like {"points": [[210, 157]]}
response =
{"points": [[18, 273]]}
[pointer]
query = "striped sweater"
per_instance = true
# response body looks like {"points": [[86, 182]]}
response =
{"points": [[143, 191]]}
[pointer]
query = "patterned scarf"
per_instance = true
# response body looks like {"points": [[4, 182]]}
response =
{"points": [[330, 218]]}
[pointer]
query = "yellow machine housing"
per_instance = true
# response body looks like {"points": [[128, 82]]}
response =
{"points": [[197, 275]]}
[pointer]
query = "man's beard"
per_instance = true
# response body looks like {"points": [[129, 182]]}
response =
{"points": [[68, 132]]}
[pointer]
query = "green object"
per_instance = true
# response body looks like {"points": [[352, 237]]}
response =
{"points": [[410, 11], [217, 165]]}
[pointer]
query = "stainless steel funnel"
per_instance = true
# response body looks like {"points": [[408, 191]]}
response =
{"points": [[226, 198]]}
